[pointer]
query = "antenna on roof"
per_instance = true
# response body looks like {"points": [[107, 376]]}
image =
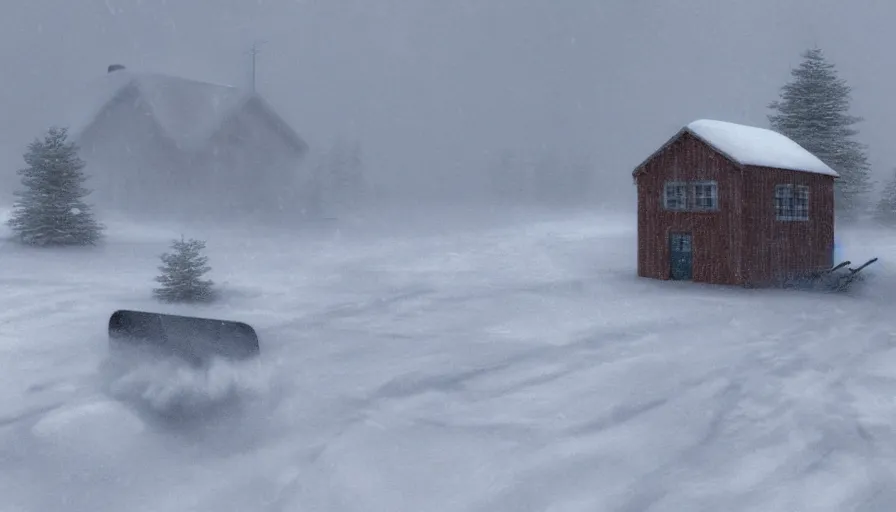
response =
{"points": [[254, 51]]}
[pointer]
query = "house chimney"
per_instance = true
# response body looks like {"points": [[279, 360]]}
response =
{"points": [[115, 67]]}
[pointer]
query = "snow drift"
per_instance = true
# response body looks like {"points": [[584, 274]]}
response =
{"points": [[492, 369], [174, 390]]}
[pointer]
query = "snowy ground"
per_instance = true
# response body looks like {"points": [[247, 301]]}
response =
{"points": [[513, 368]]}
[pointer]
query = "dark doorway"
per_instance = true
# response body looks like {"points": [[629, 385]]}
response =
{"points": [[681, 256]]}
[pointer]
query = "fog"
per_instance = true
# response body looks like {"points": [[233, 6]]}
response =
{"points": [[436, 92], [431, 354]]}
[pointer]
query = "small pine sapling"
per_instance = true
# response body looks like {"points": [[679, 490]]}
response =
{"points": [[182, 271]]}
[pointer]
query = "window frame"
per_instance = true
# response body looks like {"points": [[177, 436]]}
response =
{"points": [[683, 198], [713, 196], [799, 196]]}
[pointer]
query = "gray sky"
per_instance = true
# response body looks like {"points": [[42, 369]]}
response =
{"points": [[432, 86]]}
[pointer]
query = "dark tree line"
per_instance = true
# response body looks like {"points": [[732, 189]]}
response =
{"points": [[541, 178]]}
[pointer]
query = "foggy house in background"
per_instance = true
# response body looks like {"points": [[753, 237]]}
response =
{"points": [[172, 146], [731, 204]]}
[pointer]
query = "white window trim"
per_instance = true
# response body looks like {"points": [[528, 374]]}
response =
{"points": [[714, 195], [685, 202], [689, 200], [794, 191]]}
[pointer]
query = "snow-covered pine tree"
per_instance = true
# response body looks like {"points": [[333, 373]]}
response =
{"points": [[503, 183], [181, 278], [51, 210], [339, 178], [885, 212], [813, 110], [347, 174], [547, 177]]}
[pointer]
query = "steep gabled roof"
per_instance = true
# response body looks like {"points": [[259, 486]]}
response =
{"points": [[187, 111], [749, 145]]}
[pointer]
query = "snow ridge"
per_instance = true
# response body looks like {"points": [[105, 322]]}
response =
{"points": [[749, 145]]}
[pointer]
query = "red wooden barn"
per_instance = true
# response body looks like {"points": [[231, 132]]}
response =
{"points": [[731, 204]]}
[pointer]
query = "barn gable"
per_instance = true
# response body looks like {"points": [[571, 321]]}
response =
{"points": [[158, 143], [748, 146], [188, 112]]}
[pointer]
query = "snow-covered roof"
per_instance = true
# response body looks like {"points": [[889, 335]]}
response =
{"points": [[750, 145], [188, 111]]}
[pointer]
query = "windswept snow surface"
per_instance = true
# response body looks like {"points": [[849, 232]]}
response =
{"points": [[514, 368]]}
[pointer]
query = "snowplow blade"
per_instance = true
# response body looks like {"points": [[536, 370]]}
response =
{"points": [[195, 340]]}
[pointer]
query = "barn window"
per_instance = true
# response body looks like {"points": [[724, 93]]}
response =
{"points": [[676, 196], [792, 202], [706, 195]]}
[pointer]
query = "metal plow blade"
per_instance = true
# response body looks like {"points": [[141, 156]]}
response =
{"points": [[195, 340], [834, 279]]}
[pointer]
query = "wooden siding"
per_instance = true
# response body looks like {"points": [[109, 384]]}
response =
{"points": [[716, 237], [741, 242], [774, 248]]}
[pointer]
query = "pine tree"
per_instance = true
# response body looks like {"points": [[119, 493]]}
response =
{"points": [[503, 181], [547, 168], [813, 110], [182, 272], [51, 210], [339, 177], [347, 174], [886, 206]]}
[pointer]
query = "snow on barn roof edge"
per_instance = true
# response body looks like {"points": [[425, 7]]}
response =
{"points": [[750, 145], [189, 111]]}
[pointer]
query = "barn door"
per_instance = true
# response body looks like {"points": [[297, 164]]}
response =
{"points": [[681, 256]]}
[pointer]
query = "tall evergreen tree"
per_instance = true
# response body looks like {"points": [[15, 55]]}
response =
{"points": [[339, 179], [504, 181], [181, 278], [813, 110], [886, 206], [52, 210]]}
